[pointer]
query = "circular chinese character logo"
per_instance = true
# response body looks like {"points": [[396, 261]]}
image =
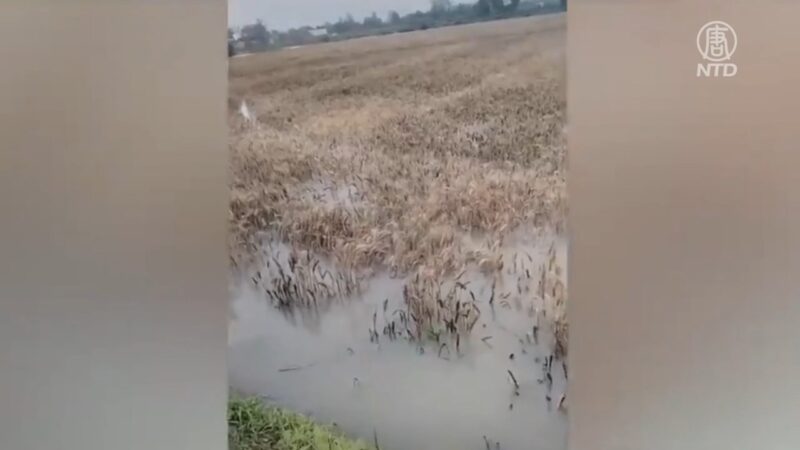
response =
{"points": [[716, 41]]}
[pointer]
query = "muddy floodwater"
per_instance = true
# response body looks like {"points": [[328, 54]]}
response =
{"points": [[324, 364]]}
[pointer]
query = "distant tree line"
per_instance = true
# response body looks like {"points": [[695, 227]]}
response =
{"points": [[256, 37]]}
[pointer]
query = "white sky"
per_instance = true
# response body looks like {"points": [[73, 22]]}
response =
{"points": [[285, 14]]}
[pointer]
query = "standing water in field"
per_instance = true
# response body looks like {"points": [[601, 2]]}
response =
{"points": [[337, 363]]}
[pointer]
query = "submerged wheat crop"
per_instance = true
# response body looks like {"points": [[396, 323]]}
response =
{"points": [[392, 155]]}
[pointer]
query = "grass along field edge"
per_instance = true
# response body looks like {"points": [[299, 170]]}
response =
{"points": [[254, 425]]}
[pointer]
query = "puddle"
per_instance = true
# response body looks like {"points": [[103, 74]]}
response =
{"points": [[329, 195], [322, 361]]}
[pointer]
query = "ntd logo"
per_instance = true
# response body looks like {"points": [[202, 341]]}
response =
{"points": [[716, 43]]}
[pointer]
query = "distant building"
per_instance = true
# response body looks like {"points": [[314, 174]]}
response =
{"points": [[318, 32]]}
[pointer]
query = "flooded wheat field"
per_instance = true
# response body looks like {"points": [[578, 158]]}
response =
{"points": [[499, 385], [397, 235]]}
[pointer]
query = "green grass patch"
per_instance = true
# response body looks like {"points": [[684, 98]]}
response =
{"points": [[252, 425]]}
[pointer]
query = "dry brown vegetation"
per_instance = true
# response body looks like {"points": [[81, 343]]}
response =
{"points": [[399, 152]]}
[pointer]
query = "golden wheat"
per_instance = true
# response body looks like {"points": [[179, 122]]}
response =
{"points": [[392, 152]]}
